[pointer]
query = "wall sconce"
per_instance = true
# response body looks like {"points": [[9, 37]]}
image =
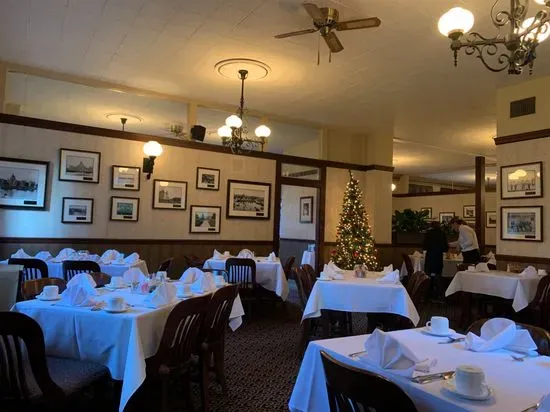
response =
{"points": [[153, 150], [393, 187]]}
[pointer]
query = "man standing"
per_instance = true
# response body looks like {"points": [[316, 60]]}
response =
{"points": [[435, 244], [467, 241]]}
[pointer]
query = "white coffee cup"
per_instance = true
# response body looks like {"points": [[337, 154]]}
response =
{"points": [[115, 303], [438, 324], [219, 280], [117, 281], [542, 272], [183, 289], [50, 291], [470, 380]]}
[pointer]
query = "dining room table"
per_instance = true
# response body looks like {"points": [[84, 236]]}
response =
{"points": [[119, 341], [449, 265], [269, 273], [516, 385], [353, 294]]}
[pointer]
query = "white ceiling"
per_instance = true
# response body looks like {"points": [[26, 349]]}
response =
{"points": [[401, 71]]}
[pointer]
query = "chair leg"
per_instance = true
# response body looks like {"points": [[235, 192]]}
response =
{"points": [[164, 394], [218, 351], [204, 360]]}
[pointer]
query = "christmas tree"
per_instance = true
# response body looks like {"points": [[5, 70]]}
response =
{"points": [[354, 241]]}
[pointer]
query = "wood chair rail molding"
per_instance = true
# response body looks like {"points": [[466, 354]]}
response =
{"points": [[132, 241], [522, 137]]}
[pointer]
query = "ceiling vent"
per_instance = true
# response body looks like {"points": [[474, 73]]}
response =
{"points": [[523, 107]]}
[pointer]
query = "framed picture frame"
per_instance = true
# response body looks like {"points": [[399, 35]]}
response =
{"points": [[79, 166], [521, 181], [205, 219], [468, 212], [445, 217], [77, 210], [427, 209], [125, 177], [23, 183], [124, 209], [208, 179], [169, 195], [248, 200], [306, 209], [523, 223], [491, 219]]}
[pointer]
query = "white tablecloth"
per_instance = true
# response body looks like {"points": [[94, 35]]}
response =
{"points": [[269, 275], [308, 258], [360, 295], [517, 385], [121, 341], [449, 266], [496, 283]]}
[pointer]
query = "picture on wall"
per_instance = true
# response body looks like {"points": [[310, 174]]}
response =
{"points": [[79, 166], [445, 217], [169, 195], [429, 210], [77, 210], [469, 212], [208, 179], [205, 219], [248, 200], [306, 209], [125, 209], [521, 223], [490, 219], [125, 177], [23, 183], [521, 181]]}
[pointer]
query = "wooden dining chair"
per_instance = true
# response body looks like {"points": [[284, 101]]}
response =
{"points": [[165, 265], [311, 273], [310, 326], [33, 268], [32, 288], [287, 267], [418, 288], [193, 261], [408, 264], [538, 311], [352, 389], [243, 273], [74, 267], [100, 279]]}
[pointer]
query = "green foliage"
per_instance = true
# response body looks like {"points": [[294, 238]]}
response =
{"points": [[410, 221]]}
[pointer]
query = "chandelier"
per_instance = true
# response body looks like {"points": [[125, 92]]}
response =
{"points": [[513, 50], [234, 133]]}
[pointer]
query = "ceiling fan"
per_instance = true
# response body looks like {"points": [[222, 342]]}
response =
{"points": [[325, 21]]}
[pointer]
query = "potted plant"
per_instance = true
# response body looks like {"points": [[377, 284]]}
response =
{"points": [[409, 226]]}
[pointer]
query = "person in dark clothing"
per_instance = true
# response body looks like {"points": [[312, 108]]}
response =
{"points": [[435, 245]]}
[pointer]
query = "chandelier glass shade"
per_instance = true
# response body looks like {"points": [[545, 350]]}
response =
{"points": [[512, 50]]}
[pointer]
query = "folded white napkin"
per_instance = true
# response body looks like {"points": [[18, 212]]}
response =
{"points": [[246, 254], [417, 254], [111, 255], [134, 275], [65, 254], [94, 258], [387, 269], [190, 275], [391, 277], [384, 351], [542, 272], [78, 295], [204, 283], [500, 333], [131, 259], [330, 272], [164, 294], [21, 254], [482, 267], [43, 256], [83, 279], [218, 255], [529, 272], [272, 257], [334, 268]]}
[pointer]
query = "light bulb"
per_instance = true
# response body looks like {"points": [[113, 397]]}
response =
{"points": [[540, 34], [393, 187], [543, 2], [152, 149], [456, 20], [225, 131], [262, 131], [234, 121]]}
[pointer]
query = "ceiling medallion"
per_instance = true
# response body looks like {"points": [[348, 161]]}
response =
{"points": [[513, 50], [229, 68]]}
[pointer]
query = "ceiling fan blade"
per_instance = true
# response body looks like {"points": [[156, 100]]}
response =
{"points": [[314, 12], [358, 24], [295, 33], [333, 42]]}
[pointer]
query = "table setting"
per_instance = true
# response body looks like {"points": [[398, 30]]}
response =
{"points": [[450, 260]]}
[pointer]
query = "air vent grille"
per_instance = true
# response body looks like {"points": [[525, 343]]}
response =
{"points": [[523, 107]]}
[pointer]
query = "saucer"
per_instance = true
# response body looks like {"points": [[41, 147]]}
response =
{"points": [[122, 310], [42, 298], [450, 386], [429, 331], [185, 296], [324, 279]]}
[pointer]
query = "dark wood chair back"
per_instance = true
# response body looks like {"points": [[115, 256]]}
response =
{"points": [[303, 283], [101, 279], [542, 297], [288, 266], [193, 261], [241, 272], [32, 288], [74, 267], [418, 287], [351, 389], [310, 273], [165, 265], [408, 264], [540, 336], [33, 268], [219, 310], [17, 329]]}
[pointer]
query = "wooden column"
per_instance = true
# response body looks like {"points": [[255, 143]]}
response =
{"points": [[480, 202]]}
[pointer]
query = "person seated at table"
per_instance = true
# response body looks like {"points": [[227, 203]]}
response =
{"points": [[467, 241], [435, 244]]}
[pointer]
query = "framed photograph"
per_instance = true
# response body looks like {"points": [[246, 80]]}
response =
{"points": [[205, 219], [468, 212], [77, 210], [306, 209], [248, 200], [169, 195], [125, 177], [521, 223], [23, 183], [490, 219], [208, 179], [521, 181], [125, 209], [427, 209], [445, 217], [79, 166]]}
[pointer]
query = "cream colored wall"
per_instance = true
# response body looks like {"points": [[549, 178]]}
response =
{"points": [[311, 149], [175, 164], [291, 228], [343, 146]]}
